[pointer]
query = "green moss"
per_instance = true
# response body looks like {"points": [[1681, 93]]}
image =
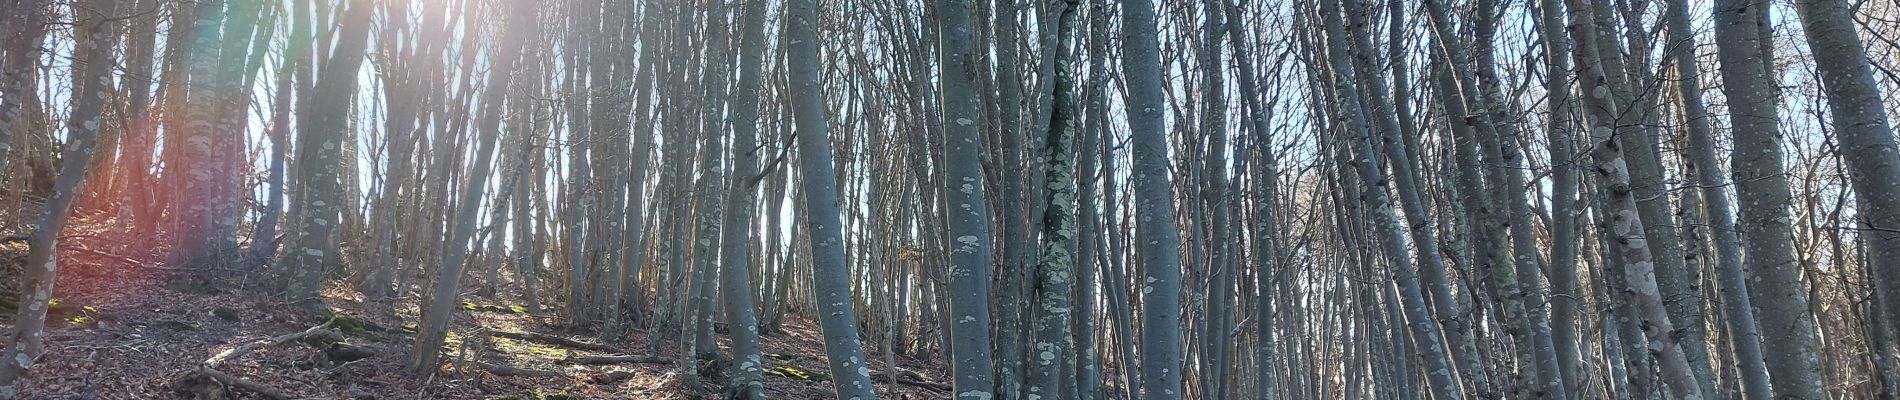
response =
{"points": [[799, 374], [529, 348], [494, 308], [355, 327]]}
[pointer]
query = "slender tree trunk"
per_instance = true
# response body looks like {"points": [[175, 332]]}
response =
{"points": [[969, 217], [710, 194], [23, 30], [1735, 32], [1563, 198], [748, 383], [1265, 179], [851, 376], [1761, 186], [1055, 274], [1161, 346], [319, 148], [98, 31], [433, 330], [1629, 243], [1865, 135], [1438, 366]]}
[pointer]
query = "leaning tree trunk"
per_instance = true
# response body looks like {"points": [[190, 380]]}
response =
{"points": [[1761, 186], [1629, 244], [1866, 138], [1563, 199], [435, 321], [1438, 366], [710, 193], [42, 258], [319, 147], [831, 278], [748, 382], [1265, 179], [1735, 33]]}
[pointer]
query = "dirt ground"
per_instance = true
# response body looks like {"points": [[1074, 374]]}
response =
{"points": [[123, 328]]}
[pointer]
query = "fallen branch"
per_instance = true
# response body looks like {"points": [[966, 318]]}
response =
{"points": [[227, 355], [503, 370], [618, 359], [254, 387], [553, 339], [208, 368], [910, 378]]}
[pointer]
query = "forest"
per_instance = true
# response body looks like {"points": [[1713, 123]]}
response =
{"points": [[968, 199]]}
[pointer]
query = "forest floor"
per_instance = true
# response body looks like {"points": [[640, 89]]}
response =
{"points": [[121, 328]]}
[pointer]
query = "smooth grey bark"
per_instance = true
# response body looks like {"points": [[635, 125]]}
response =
{"points": [[20, 36], [319, 150], [1735, 33], [1088, 360], [1216, 209], [1265, 180], [1055, 272], [1865, 135], [1563, 197], [1006, 160], [1156, 233], [526, 257], [1393, 119], [1505, 209], [969, 212], [699, 345], [1761, 189], [1629, 243], [264, 236], [1392, 237], [433, 330], [578, 195], [736, 270], [1638, 97], [1509, 167], [42, 260], [831, 284]]}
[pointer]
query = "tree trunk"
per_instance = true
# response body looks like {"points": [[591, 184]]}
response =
{"points": [[1055, 274], [433, 330], [1161, 346], [1865, 136], [831, 283], [969, 216], [26, 342], [1735, 32], [1628, 242]]}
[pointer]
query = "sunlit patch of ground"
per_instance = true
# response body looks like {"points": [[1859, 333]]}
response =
{"points": [[125, 331]]}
